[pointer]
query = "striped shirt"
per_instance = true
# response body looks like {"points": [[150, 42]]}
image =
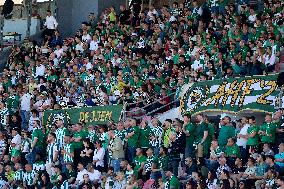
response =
{"points": [[69, 149], [60, 133], [3, 116], [3, 146], [92, 135], [29, 177], [158, 134], [149, 162], [65, 185], [19, 175], [52, 148], [39, 166]]}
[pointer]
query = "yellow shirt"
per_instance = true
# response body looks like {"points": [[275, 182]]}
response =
{"points": [[32, 87], [167, 137], [112, 17]]}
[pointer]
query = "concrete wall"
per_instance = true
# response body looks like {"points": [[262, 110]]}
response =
{"points": [[71, 13], [19, 10], [20, 26]]}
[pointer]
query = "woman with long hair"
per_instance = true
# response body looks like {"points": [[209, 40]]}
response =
{"points": [[87, 152]]}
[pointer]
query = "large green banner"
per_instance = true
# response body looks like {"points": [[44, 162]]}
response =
{"points": [[90, 115], [257, 93]]}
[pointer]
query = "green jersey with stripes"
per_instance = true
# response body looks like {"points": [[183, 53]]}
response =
{"points": [[29, 177], [39, 166], [3, 116], [157, 132], [69, 149], [19, 175], [149, 162], [60, 133], [92, 135], [52, 148], [65, 185], [104, 139]]}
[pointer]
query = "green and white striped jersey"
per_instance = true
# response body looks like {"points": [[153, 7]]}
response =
{"points": [[29, 177], [60, 133], [52, 148], [65, 185], [39, 166], [3, 116], [92, 135], [69, 149], [19, 175]]}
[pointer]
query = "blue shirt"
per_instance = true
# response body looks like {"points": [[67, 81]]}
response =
{"points": [[277, 156]]}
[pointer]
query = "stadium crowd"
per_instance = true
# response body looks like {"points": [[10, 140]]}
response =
{"points": [[141, 57]]}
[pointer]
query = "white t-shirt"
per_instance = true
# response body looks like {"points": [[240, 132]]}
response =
{"points": [[252, 18], [79, 47], [40, 70], [80, 175], [244, 131], [196, 65], [51, 22], [58, 53], [86, 38], [99, 155], [94, 45], [96, 175], [116, 62], [31, 123], [269, 59], [17, 140], [89, 66], [26, 102]]}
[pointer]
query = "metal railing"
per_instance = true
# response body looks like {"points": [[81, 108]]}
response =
{"points": [[138, 112]]}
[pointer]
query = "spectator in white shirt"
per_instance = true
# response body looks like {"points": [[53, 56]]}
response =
{"points": [[25, 108], [81, 172], [79, 44], [242, 137], [252, 17], [58, 52], [40, 69], [94, 175], [98, 158], [116, 61], [15, 144], [50, 24], [269, 60], [94, 44], [34, 117], [152, 13], [86, 37]]}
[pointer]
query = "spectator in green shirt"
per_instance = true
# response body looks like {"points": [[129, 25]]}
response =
{"points": [[132, 138], [162, 163], [77, 141], [37, 145], [227, 131], [172, 181], [267, 130], [189, 130], [144, 134], [139, 162], [232, 151], [201, 137], [253, 138]]}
